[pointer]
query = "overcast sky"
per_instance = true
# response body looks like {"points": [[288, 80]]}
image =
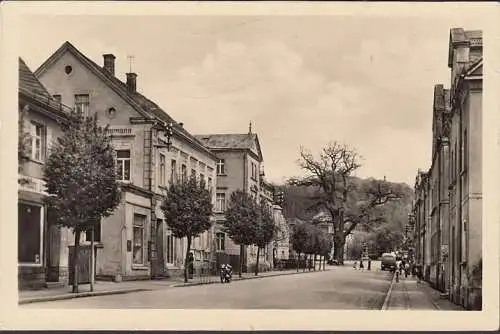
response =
{"points": [[365, 81]]}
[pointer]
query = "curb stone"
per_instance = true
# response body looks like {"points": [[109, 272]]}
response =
{"points": [[79, 295], [125, 291], [183, 285], [389, 292]]}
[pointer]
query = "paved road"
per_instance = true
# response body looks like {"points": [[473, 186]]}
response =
{"points": [[337, 288]]}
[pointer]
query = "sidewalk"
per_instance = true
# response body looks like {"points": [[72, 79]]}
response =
{"points": [[102, 288], [407, 294]]}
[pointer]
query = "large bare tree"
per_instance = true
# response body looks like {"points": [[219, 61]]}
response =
{"points": [[348, 201]]}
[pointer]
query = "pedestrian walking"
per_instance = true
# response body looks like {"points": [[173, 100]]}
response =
{"points": [[369, 264], [354, 265], [361, 265], [407, 269]]}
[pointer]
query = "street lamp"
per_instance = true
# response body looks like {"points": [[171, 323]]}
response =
{"points": [[168, 131]]}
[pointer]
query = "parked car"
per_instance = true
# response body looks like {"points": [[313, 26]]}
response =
{"points": [[388, 261]]}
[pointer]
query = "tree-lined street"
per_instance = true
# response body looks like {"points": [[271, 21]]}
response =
{"points": [[336, 288]]}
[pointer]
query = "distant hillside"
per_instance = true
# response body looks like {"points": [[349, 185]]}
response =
{"points": [[298, 199]]}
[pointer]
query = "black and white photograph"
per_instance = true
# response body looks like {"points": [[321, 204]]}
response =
{"points": [[251, 161]]}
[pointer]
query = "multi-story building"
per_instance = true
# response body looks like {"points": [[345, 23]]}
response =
{"points": [[39, 116], [135, 242], [240, 167], [466, 63], [448, 199]]}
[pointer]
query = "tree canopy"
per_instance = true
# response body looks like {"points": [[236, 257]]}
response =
{"points": [[187, 208], [349, 201], [80, 178]]}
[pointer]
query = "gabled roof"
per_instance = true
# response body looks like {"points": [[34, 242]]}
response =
{"points": [[29, 83], [143, 105], [32, 88], [231, 141]]}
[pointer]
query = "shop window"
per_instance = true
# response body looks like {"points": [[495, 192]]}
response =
{"points": [[29, 231], [138, 241], [170, 243]]}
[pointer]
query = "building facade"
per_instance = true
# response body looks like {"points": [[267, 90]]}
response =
{"points": [[240, 167], [135, 242], [448, 198], [38, 125]]}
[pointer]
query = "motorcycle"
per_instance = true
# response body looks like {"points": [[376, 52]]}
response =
{"points": [[226, 274]]}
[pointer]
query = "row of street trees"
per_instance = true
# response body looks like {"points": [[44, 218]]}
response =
{"points": [[248, 222], [309, 240], [81, 180]]}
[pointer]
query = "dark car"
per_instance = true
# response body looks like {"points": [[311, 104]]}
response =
{"points": [[388, 261]]}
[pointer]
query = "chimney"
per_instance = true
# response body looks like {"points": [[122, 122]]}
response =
{"points": [[131, 82], [109, 63]]}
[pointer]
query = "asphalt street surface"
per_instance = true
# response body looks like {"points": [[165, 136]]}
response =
{"points": [[336, 288]]}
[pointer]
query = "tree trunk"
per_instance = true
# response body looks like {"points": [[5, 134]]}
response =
{"points": [[338, 250], [92, 259], [305, 262], [187, 261], [242, 251], [257, 262], [298, 261], [75, 260], [324, 262], [314, 262]]}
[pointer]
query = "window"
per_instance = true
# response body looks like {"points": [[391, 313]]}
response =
{"points": [[219, 241], [57, 97], [220, 202], [82, 103], [193, 172], [138, 241], [254, 171], [209, 185], [202, 179], [184, 173], [220, 167], [39, 141], [163, 174], [123, 165], [97, 233], [173, 172], [29, 229], [170, 243]]}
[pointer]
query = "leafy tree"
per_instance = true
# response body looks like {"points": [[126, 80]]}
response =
{"points": [[187, 208], [300, 240], [265, 230], [80, 176], [23, 144], [348, 201], [241, 217]]}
